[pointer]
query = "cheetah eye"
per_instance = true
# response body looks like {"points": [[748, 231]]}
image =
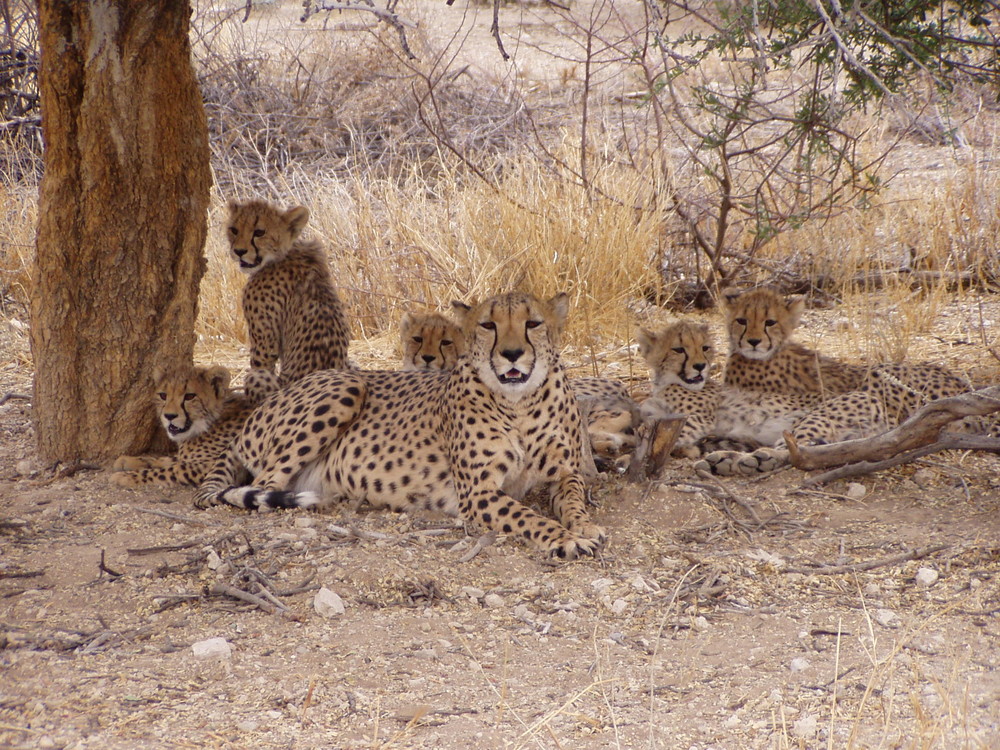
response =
{"points": [[258, 233], [162, 396], [489, 325], [679, 349], [446, 342], [741, 321], [533, 324], [770, 323], [418, 339], [706, 348], [189, 396], [234, 231]]}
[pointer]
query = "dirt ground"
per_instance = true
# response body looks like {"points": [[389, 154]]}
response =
{"points": [[703, 624]]}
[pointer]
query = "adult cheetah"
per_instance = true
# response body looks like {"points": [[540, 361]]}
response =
{"points": [[200, 414], [470, 442], [292, 310]]}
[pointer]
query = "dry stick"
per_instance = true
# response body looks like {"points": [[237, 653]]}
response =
{"points": [[951, 441], [481, 543], [223, 589], [921, 428], [11, 396], [827, 570]]}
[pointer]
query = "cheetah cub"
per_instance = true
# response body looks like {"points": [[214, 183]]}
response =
{"points": [[471, 442], [679, 356], [200, 414], [430, 341], [292, 310]]}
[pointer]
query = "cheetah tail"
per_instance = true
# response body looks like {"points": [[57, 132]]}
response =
{"points": [[256, 498]]}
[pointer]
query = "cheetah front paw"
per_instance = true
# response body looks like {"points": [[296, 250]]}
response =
{"points": [[124, 478], [569, 546], [590, 531], [130, 463]]}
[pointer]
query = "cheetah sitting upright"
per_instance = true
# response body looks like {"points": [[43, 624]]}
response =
{"points": [[200, 414], [292, 310], [679, 357], [470, 442], [851, 401]]}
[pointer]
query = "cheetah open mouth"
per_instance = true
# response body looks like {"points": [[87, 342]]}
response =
{"points": [[244, 264], [176, 429], [699, 378], [513, 375]]}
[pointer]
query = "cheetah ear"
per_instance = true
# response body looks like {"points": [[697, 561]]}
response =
{"points": [[296, 218], [645, 339], [795, 307], [461, 311], [233, 205], [405, 324], [560, 307], [218, 376], [159, 373], [730, 295]]}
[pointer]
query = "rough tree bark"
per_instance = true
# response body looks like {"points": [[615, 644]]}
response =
{"points": [[122, 209]]}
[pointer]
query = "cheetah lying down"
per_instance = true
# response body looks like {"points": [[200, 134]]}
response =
{"points": [[471, 442]]}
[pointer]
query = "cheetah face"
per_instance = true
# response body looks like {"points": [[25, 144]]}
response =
{"points": [[513, 340], [260, 234], [431, 342], [760, 322], [679, 354], [189, 402]]}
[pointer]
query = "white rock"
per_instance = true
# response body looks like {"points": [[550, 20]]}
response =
{"points": [[618, 606], [872, 589], [212, 560], [639, 584], [927, 577], [248, 726], [886, 618], [601, 585], [212, 647], [700, 624], [799, 664], [304, 522], [856, 490], [327, 603], [46, 742], [472, 592], [805, 727], [493, 600], [24, 468]]}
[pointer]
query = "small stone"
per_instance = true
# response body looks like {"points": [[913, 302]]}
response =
{"points": [[327, 603], [248, 726], [975, 583], [472, 592], [926, 577], [700, 624], [46, 742], [924, 478], [211, 648], [212, 560], [856, 490], [639, 584], [24, 468], [618, 606], [872, 589], [493, 601], [304, 522], [601, 585], [886, 618], [799, 664], [805, 727]]}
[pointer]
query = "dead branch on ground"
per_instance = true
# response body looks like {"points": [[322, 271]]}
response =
{"points": [[827, 570], [921, 429]]}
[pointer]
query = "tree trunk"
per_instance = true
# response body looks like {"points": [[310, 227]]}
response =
{"points": [[122, 209]]}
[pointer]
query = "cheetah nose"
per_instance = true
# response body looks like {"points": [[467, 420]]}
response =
{"points": [[170, 417], [428, 358], [700, 366], [239, 251], [512, 355], [753, 342]]}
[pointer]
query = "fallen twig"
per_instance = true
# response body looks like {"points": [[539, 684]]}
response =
{"points": [[481, 543], [175, 517], [827, 570], [11, 396], [224, 589]]}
